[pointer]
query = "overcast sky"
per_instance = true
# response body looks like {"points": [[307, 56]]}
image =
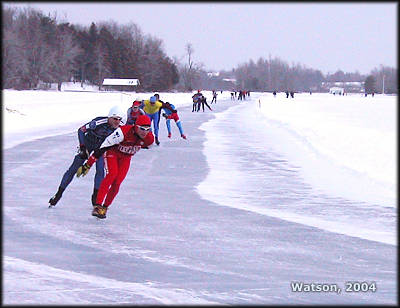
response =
{"points": [[326, 36]]}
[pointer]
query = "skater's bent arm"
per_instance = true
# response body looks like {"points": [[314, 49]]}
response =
{"points": [[115, 138]]}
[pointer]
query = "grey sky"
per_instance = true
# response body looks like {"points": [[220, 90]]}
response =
{"points": [[325, 36]]}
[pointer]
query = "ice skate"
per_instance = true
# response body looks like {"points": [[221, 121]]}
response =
{"points": [[53, 200], [99, 211]]}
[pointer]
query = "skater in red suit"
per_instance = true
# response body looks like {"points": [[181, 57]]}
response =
{"points": [[119, 147], [133, 112]]}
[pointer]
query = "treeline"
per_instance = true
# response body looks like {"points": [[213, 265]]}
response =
{"points": [[276, 75], [37, 48]]}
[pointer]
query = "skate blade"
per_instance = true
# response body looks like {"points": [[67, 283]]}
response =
{"points": [[99, 217]]}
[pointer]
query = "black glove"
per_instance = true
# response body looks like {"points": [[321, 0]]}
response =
{"points": [[174, 111], [165, 115], [83, 152]]}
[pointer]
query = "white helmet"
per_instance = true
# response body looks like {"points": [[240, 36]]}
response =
{"points": [[116, 111]]}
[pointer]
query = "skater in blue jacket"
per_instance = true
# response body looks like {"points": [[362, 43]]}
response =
{"points": [[168, 115], [90, 136]]}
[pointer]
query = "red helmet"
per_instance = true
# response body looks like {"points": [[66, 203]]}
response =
{"points": [[136, 103], [143, 120]]}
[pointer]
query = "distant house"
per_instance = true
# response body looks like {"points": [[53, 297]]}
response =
{"points": [[121, 82], [348, 86], [229, 80], [213, 74], [336, 90], [354, 86]]}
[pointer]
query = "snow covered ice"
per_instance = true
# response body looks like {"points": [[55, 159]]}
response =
{"points": [[265, 192]]}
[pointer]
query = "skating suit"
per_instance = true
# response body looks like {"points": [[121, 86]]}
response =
{"points": [[152, 111], [132, 115], [92, 134], [173, 116], [124, 144]]}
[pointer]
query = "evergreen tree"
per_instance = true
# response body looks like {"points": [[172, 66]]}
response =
{"points": [[370, 85]]}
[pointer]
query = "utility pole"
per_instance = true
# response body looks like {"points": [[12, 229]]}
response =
{"points": [[269, 74], [383, 84]]}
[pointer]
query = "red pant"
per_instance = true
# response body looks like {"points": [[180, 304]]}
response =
{"points": [[116, 166], [174, 116]]}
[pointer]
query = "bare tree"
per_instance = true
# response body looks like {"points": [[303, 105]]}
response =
{"points": [[11, 48], [64, 52], [32, 29], [151, 73], [190, 72], [102, 67], [386, 79], [189, 68]]}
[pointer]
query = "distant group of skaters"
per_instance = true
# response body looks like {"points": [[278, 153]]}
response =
{"points": [[199, 100], [241, 95], [110, 144], [291, 93]]}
